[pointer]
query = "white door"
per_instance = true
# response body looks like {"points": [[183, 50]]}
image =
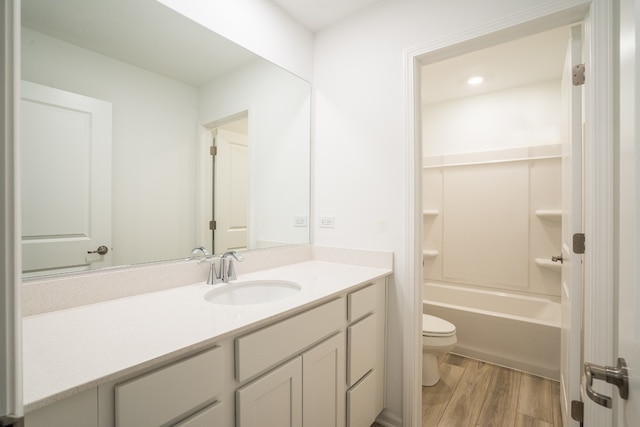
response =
{"points": [[571, 358], [623, 398], [626, 413], [66, 180], [231, 191]]}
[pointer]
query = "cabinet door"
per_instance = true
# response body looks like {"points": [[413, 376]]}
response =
{"points": [[323, 387], [78, 410], [273, 400]]}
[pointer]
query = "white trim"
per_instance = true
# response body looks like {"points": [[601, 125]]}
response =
{"points": [[411, 324], [539, 18], [10, 249], [599, 198], [494, 156]]}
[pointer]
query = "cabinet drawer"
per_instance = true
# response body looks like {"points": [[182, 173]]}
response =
{"points": [[361, 302], [207, 417], [266, 347], [361, 345], [160, 396], [361, 407]]}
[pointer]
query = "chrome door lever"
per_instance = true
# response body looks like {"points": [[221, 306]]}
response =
{"points": [[102, 250], [557, 259], [618, 376]]}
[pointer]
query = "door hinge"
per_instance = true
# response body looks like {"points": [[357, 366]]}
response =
{"points": [[213, 150], [578, 74], [578, 243], [212, 225], [577, 411]]}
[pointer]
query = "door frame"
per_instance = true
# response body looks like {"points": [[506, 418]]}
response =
{"points": [[598, 177], [10, 235], [205, 171]]}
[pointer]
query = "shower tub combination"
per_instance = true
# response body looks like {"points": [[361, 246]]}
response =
{"points": [[512, 330]]}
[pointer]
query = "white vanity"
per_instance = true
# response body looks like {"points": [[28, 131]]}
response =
{"points": [[172, 358]]}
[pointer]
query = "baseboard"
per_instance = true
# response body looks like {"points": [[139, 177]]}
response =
{"points": [[388, 419], [540, 371]]}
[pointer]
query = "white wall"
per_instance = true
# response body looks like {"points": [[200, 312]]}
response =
{"points": [[280, 151], [154, 135], [486, 231], [518, 117], [258, 25], [359, 157], [488, 199]]}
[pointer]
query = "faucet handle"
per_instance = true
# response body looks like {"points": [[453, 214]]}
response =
{"points": [[227, 271]]}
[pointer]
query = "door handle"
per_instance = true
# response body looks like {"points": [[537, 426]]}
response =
{"points": [[557, 259], [618, 376], [102, 250]]}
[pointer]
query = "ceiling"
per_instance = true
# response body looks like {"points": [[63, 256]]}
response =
{"points": [[164, 39], [108, 28], [318, 14], [522, 62]]}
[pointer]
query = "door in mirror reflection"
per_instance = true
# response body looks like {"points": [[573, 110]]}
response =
{"points": [[231, 186], [66, 161]]}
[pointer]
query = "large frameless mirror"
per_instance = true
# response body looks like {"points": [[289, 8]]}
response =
{"points": [[145, 134]]}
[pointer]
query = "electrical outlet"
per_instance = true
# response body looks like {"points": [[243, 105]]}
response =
{"points": [[299, 221], [327, 222]]}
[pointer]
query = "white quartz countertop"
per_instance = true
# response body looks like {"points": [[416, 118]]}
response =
{"points": [[71, 350]]}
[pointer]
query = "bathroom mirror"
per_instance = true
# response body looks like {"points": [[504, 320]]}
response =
{"points": [[122, 102]]}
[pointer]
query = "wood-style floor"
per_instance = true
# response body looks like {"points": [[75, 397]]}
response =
{"points": [[471, 393]]}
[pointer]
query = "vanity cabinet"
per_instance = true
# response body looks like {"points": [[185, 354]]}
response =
{"points": [[338, 382], [320, 367], [277, 398], [305, 391]]}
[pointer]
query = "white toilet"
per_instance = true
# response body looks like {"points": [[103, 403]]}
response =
{"points": [[438, 338]]}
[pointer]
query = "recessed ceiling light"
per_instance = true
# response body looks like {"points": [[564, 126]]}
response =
{"points": [[475, 80]]}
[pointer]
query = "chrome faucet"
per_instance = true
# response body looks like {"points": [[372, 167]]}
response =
{"points": [[201, 249], [206, 257], [227, 272]]}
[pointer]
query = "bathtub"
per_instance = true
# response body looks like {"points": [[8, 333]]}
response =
{"points": [[512, 330]]}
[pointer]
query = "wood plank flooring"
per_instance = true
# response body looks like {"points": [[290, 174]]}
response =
{"points": [[478, 394], [471, 393]]}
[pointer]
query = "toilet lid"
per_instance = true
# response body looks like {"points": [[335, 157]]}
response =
{"points": [[435, 326]]}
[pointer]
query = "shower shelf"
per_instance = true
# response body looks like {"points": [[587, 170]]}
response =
{"points": [[430, 212], [430, 253], [550, 214], [547, 263]]}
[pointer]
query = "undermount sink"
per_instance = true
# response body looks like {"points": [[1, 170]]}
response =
{"points": [[253, 292]]}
